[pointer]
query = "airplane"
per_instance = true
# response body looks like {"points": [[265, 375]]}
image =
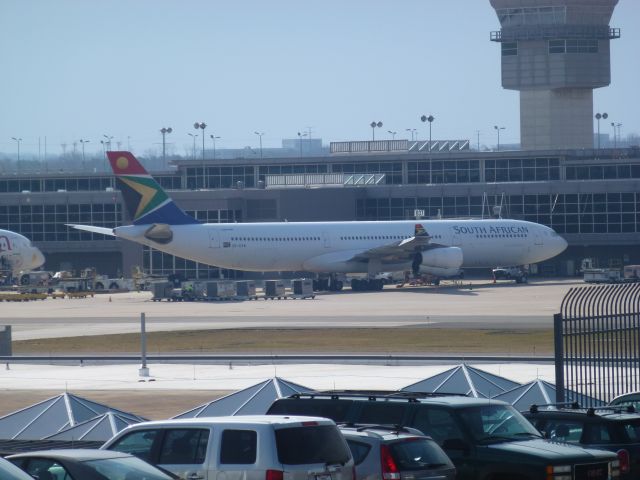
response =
{"points": [[440, 248], [17, 253]]}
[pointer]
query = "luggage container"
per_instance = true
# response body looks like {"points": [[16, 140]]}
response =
{"points": [[161, 291], [192, 291], [246, 290], [274, 289], [302, 288], [221, 290]]}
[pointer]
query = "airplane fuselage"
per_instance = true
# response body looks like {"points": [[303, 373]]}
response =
{"points": [[17, 253], [331, 246]]}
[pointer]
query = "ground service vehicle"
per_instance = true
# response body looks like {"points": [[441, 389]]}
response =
{"points": [[86, 464], [388, 452], [616, 429], [485, 439], [252, 447], [510, 273]]}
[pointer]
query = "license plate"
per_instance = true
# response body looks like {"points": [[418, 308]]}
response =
{"points": [[324, 476]]}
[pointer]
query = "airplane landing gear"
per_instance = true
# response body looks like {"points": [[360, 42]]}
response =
{"points": [[371, 285], [328, 284]]}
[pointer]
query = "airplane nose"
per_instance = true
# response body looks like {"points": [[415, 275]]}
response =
{"points": [[37, 259], [562, 244]]}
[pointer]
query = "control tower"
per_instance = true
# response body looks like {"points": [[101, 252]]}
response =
{"points": [[555, 52]]}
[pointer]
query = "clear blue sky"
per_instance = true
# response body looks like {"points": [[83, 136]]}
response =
{"points": [[76, 69]]}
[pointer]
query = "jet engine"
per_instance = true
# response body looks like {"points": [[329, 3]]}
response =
{"points": [[160, 233], [440, 262]]}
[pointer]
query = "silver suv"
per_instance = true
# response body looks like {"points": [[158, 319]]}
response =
{"points": [[392, 452], [252, 447]]}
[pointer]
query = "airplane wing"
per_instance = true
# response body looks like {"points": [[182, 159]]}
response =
{"points": [[90, 228], [399, 250]]}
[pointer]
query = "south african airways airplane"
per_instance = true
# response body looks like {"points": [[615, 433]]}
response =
{"points": [[437, 247]]}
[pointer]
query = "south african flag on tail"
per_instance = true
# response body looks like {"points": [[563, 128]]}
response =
{"points": [[420, 231], [146, 201]]}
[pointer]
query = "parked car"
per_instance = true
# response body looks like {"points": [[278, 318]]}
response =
{"points": [[255, 447], [86, 464], [8, 471], [616, 429], [485, 439], [388, 452], [627, 399]]}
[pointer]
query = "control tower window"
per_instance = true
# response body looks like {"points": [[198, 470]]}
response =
{"points": [[582, 45], [511, 17], [509, 48]]}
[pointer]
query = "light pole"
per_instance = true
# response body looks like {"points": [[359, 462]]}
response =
{"points": [[202, 126], [82, 141], [412, 131], [393, 134], [18, 140], [598, 117], [164, 131], [429, 119], [213, 139], [497, 129], [373, 126], [108, 142], [300, 135], [260, 134], [194, 143], [616, 133]]}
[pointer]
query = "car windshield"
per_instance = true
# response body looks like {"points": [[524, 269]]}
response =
{"points": [[631, 399], [127, 467], [497, 423], [307, 445]]}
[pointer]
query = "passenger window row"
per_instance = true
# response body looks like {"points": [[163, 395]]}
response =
{"points": [[188, 446], [274, 239]]}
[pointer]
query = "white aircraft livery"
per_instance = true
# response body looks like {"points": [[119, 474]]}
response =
{"points": [[437, 247], [17, 253]]}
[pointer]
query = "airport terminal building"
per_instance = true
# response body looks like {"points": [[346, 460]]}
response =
{"points": [[590, 196]]}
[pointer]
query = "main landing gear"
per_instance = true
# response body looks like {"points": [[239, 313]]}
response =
{"points": [[328, 284], [364, 285]]}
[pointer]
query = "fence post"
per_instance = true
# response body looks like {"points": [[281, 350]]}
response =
{"points": [[558, 348]]}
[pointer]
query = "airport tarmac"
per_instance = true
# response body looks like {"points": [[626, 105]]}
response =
{"points": [[175, 388], [473, 304]]}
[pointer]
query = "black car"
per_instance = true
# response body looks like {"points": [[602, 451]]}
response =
{"points": [[485, 439], [616, 429]]}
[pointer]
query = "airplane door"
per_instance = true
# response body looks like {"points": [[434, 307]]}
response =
{"points": [[455, 241], [326, 240], [214, 239]]}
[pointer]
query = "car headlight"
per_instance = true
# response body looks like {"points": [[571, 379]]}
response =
{"points": [[559, 472]]}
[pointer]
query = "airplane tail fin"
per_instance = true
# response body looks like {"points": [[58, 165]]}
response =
{"points": [[420, 231], [144, 198]]}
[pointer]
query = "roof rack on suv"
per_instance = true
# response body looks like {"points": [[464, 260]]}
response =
{"points": [[591, 411], [375, 426], [375, 394]]}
